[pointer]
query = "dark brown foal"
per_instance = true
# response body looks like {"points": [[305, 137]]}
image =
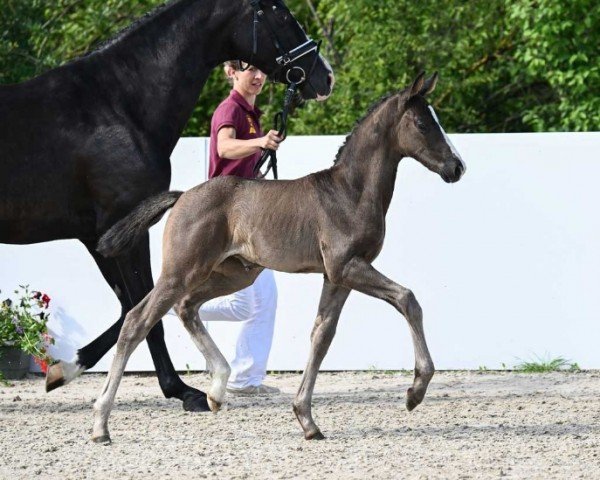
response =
{"points": [[222, 233]]}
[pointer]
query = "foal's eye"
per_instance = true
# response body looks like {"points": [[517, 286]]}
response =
{"points": [[421, 126]]}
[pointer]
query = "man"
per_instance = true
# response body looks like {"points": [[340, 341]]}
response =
{"points": [[236, 143]]}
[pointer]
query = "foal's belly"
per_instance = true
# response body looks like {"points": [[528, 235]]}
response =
{"points": [[284, 256], [289, 266]]}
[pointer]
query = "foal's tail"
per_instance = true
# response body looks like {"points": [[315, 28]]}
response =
{"points": [[124, 234]]}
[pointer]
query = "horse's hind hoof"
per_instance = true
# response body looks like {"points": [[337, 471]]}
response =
{"points": [[102, 440], [315, 436], [54, 377], [196, 403]]}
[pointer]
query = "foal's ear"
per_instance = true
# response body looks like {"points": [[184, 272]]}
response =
{"points": [[417, 85], [429, 84]]}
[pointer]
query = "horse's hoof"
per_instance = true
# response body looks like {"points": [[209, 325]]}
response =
{"points": [[196, 403], [411, 400], [213, 404], [54, 377], [102, 439], [317, 435]]}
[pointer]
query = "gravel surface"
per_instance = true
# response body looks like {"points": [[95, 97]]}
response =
{"points": [[471, 425]]}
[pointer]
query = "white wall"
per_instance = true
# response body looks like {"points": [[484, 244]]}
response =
{"points": [[505, 263]]}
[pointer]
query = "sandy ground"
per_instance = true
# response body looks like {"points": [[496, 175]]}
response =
{"points": [[471, 425]]}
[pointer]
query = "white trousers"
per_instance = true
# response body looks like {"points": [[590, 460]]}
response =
{"points": [[255, 307]]}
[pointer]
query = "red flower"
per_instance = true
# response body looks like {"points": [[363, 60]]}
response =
{"points": [[45, 300], [42, 364]]}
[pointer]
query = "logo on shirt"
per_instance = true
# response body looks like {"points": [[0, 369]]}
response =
{"points": [[252, 128]]}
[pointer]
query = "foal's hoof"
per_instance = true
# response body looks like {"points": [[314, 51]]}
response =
{"points": [[102, 439], [54, 377], [412, 400], [316, 435], [213, 404], [196, 403]]}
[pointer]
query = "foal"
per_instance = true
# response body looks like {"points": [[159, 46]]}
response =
{"points": [[221, 234]]}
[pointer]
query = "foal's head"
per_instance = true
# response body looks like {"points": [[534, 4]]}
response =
{"points": [[420, 134]]}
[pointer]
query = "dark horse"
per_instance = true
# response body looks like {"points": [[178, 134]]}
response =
{"points": [[221, 234], [100, 131]]}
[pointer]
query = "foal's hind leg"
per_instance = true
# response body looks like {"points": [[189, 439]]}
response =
{"points": [[360, 275], [187, 310], [131, 278], [138, 323], [330, 306], [228, 277]]}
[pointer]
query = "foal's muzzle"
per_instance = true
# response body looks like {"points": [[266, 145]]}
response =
{"points": [[453, 170]]}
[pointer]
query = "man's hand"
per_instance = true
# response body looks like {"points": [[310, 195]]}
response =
{"points": [[270, 141]]}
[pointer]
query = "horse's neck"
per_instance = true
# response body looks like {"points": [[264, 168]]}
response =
{"points": [[369, 171], [164, 64]]}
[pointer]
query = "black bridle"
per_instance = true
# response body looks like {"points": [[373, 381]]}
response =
{"points": [[295, 75], [286, 59]]}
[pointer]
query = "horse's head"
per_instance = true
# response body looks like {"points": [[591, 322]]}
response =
{"points": [[421, 135], [269, 36]]}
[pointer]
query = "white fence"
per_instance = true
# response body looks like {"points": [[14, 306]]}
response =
{"points": [[505, 263]]}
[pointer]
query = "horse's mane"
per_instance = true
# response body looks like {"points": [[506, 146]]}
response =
{"points": [[121, 34], [359, 122]]}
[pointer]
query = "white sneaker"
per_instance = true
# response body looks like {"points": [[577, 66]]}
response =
{"points": [[254, 390]]}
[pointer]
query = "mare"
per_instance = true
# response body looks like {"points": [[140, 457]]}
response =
{"points": [[221, 234], [100, 130]]}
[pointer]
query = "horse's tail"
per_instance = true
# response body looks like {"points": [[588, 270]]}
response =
{"points": [[124, 234]]}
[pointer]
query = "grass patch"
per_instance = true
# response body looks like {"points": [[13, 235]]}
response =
{"points": [[544, 365]]}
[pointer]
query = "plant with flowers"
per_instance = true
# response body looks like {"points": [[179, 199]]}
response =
{"points": [[24, 325]]}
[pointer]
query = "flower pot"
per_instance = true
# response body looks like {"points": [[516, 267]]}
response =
{"points": [[14, 363]]}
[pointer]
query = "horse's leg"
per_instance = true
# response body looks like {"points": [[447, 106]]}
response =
{"points": [[63, 372], [331, 303], [187, 310], [360, 275], [131, 278], [138, 323], [228, 277]]}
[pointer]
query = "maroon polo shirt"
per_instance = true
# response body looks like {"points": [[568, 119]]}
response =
{"points": [[234, 112]]}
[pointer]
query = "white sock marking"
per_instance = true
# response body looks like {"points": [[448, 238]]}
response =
{"points": [[70, 370]]}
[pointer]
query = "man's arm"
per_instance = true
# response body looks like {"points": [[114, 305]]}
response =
{"points": [[228, 146]]}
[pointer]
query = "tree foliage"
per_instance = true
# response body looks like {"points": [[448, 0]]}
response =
{"points": [[521, 65], [559, 54]]}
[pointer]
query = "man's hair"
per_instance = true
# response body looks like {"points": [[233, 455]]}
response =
{"points": [[235, 64]]}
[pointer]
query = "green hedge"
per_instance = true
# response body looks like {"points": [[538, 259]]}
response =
{"points": [[505, 66]]}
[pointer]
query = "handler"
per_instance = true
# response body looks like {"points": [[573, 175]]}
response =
{"points": [[236, 143]]}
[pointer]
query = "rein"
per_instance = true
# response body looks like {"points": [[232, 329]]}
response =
{"points": [[280, 123]]}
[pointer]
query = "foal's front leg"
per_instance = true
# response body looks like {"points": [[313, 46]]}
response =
{"points": [[360, 275], [330, 306]]}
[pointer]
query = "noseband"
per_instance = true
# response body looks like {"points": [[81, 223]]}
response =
{"points": [[286, 59]]}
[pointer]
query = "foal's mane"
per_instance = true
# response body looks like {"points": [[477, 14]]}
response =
{"points": [[375, 106]]}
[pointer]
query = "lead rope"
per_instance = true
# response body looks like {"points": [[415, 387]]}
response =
{"points": [[280, 117]]}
